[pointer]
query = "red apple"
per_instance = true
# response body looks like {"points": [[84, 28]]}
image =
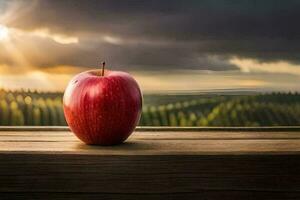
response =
{"points": [[102, 107]]}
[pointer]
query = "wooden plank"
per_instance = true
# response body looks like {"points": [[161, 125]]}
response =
{"points": [[146, 135], [151, 165], [163, 143], [163, 128], [206, 195], [148, 174]]}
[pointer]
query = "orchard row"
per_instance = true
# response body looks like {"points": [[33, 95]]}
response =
{"points": [[277, 109]]}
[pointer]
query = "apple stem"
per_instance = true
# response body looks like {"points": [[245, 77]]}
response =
{"points": [[103, 66]]}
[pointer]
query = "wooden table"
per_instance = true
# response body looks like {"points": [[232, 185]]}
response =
{"points": [[168, 163]]}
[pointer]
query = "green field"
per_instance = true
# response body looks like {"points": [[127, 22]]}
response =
{"points": [[18, 108]]}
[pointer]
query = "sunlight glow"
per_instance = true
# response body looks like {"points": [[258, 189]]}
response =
{"points": [[4, 33], [112, 40], [59, 38], [10, 47], [253, 65]]}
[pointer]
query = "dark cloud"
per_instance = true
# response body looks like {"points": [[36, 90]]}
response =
{"points": [[168, 34]]}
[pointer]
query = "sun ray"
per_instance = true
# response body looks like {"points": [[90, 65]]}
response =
{"points": [[8, 45], [3, 32]]}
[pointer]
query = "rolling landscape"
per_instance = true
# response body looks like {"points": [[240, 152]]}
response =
{"points": [[32, 108]]}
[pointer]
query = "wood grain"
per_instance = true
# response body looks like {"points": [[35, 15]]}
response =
{"points": [[156, 143], [206, 195], [151, 165]]}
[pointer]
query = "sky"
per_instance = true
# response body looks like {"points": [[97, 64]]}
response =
{"points": [[170, 45]]}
